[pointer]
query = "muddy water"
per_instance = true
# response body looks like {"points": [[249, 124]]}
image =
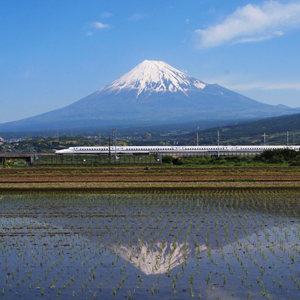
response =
{"points": [[210, 245]]}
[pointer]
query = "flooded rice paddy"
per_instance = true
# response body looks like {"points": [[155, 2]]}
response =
{"points": [[208, 245]]}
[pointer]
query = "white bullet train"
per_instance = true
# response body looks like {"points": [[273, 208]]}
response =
{"points": [[166, 149]]}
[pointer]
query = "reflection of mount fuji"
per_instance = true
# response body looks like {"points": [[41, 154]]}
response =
{"points": [[138, 233], [158, 260], [154, 259]]}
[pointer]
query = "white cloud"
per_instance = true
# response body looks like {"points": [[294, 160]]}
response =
{"points": [[99, 25], [251, 23], [242, 82], [137, 17], [106, 15]]}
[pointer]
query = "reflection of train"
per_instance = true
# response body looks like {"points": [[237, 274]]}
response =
{"points": [[166, 149]]}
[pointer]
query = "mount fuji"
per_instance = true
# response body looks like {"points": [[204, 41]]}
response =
{"points": [[152, 93]]}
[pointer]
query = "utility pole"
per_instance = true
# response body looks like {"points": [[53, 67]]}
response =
{"points": [[197, 139], [287, 138], [99, 138], [57, 133], [115, 141], [293, 138], [109, 146], [264, 135], [218, 143]]}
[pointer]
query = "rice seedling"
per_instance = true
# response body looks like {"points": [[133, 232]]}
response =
{"points": [[81, 239]]}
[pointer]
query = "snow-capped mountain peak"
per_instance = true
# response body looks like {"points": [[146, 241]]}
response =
{"points": [[154, 76]]}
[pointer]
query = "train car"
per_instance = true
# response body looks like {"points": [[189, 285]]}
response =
{"points": [[166, 149]]}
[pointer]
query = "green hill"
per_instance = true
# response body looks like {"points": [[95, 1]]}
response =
{"points": [[276, 129]]}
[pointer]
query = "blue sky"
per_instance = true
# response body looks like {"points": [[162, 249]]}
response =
{"points": [[54, 53]]}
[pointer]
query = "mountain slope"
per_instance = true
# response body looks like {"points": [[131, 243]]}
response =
{"points": [[275, 128], [152, 93]]}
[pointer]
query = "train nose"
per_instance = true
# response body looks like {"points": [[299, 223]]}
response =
{"points": [[65, 151]]}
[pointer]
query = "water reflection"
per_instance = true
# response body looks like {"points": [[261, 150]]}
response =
{"points": [[158, 259], [112, 239]]}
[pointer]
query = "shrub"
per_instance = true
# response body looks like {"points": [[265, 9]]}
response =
{"points": [[296, 161], [194, 161], [167, 159], [177, 161], [277, 156]]}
